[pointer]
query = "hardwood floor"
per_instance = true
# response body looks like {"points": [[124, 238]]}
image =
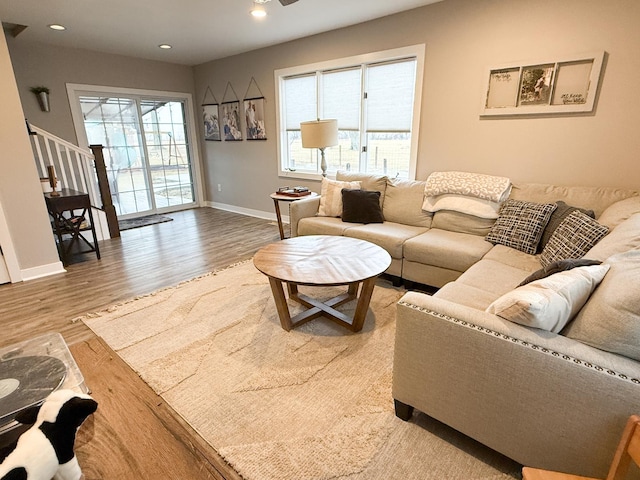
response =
{"points": [[133, 434]]}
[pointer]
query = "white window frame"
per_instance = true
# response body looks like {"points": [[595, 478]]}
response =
{"points": [[74, 91], [412, 51]]}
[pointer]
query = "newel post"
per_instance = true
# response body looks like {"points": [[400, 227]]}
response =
{"points": [[105, 192]]}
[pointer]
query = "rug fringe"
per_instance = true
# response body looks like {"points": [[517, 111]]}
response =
{"points": [[115, 306]]}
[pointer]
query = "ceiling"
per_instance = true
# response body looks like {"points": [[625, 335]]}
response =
{"points": [[198, 30]]}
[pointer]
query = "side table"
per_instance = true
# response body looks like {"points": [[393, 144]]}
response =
{"points": [[68, 201], [286, 198]]}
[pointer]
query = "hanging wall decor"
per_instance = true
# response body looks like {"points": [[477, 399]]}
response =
{"points": [[565, 86], [254, 113], [211, 117], [231, 117]]}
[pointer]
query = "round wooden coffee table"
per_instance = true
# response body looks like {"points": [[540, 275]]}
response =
{"points": [[320, 261]]}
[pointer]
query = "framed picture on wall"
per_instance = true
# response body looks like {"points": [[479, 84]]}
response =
{"points": [[211, 117], [567, 85], [231, 121], [254, 118]]}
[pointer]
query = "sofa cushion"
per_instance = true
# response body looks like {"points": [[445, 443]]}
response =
{"points": [[467, 295], [403, 203], [561, 212], [618, 212], [514, 258], [331, 196], [551, 302], [520, 225], [367, 181], [625, 236], [610, 320], [323, 226], [574, 237], [361, 206], [442, 248], [593, 198], [559, 266], [388, 235], [462, 223], [494, 277]]}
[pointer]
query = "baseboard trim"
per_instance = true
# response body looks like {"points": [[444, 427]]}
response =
{"points": [[42, 271], [246, 211]]}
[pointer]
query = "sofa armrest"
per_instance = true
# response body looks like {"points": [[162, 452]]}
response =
{"points": [[307, 207], [534, 396]]}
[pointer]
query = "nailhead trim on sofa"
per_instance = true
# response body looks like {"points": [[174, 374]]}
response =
{"points": [[533, 346]]}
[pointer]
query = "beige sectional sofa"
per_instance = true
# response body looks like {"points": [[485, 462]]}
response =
{"points": [[552, 400]]}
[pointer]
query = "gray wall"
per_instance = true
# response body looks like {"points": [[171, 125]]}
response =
{"points": [[39, 64], [20, 191], [462, 38]]}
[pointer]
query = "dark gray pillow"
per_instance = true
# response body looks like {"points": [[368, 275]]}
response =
{"points": [[574, 237], [559, 266], [520, 224], [559, 214], [361, 206]]}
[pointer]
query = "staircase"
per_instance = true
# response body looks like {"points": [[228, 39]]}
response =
{"points": [[78, 169]]}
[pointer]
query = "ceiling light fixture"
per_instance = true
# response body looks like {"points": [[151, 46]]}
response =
{"points": [[55, 26], [258, 10], [165, 46]]}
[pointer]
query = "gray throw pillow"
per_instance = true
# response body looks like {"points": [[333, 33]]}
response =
{"points": [[361, 206], [559, 266], [520, 224], [574, 237], [561, 212]]}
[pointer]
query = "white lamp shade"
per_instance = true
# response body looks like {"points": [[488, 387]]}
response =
{"points": [[319, 133]]}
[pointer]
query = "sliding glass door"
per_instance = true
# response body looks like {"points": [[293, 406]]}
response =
{"points": [[146, 150]]}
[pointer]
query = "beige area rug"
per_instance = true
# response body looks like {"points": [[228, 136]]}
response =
{"points": [[313, 403]]}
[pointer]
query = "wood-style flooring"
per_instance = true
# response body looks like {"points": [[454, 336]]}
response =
{"points": [[133, 434]]}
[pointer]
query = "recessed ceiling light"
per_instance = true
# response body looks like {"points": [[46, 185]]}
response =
{"points": [[258, 11], [165, 46], [55, 26]]}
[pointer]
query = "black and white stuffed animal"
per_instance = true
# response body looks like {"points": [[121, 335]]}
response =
{"points": [[45, 451]]}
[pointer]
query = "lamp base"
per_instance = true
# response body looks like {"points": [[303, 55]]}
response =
{"points": [[323, 163]]}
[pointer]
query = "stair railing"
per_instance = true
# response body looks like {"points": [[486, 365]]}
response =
{"points": [[75, 168]]}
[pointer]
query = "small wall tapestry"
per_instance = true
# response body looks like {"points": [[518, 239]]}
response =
{"points": [[211, 118], [254, 116], [231, 116]]}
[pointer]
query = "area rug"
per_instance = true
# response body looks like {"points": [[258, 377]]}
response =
{"points": [[314, 403], [129, 223]]}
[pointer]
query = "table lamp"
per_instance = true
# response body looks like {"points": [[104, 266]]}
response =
{"points": [[320, 134]]}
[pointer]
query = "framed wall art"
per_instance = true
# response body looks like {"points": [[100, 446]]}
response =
{"points": [[568, 85], [211, 117], [254, 116], [231, 121]]}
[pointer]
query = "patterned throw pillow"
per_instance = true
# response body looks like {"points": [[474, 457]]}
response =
{"points": [[573, 238], [559, 214], [331, 196], [520, 225]]}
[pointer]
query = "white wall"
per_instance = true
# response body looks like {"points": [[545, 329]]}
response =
{"points": [[462, 38]]}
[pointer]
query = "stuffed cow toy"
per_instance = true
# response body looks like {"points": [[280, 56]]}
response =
{"points": [[45, 451]]}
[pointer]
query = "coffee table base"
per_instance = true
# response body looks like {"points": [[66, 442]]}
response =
{"points": [[325, 309]]}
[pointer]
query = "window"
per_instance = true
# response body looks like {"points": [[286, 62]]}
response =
{"points": [[376, 100]]}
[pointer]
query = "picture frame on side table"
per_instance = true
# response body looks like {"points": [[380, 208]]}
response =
{"points": [[564, 86]]}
